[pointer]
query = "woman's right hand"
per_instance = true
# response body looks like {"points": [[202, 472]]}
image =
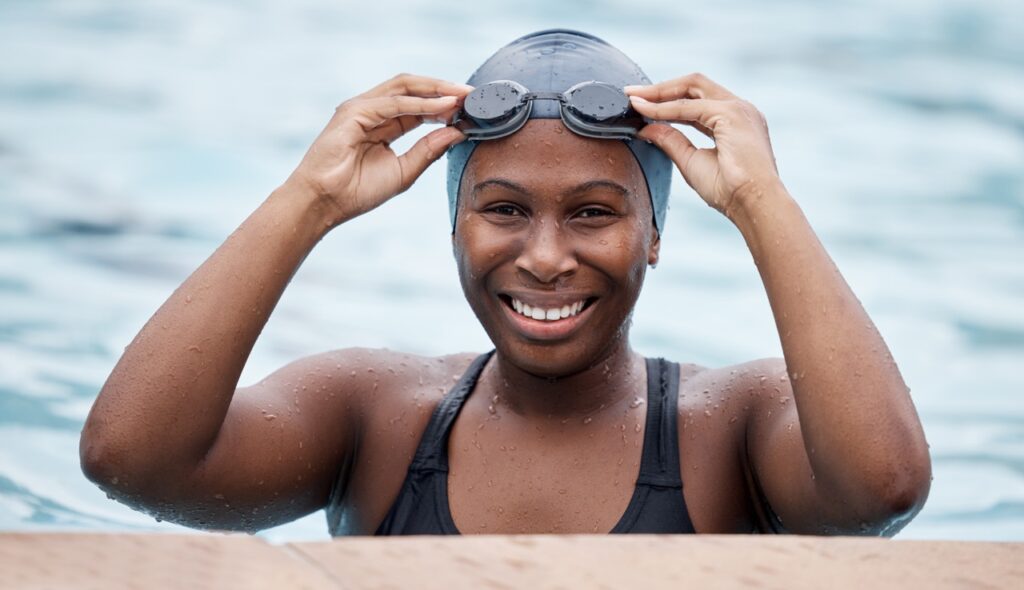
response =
{"points": [[351, 166]]}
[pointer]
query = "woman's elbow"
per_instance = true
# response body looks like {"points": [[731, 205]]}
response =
{"points": [[99, 459]]}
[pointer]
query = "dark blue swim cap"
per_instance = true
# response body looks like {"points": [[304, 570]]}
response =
{"points": [[553, 61]]}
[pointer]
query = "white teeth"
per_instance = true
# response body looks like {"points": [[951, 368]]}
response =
{"points": [[553, 314]]}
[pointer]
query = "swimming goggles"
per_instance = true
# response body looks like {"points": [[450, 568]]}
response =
{"points": [[591, 109]]}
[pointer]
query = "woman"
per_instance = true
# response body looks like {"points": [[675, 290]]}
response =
{"points": [[564, 428]]}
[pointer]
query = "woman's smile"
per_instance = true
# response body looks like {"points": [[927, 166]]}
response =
{"points": [[544, 316]]}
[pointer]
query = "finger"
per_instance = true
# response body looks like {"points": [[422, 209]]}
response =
{"points": [[704, 112], [422, 86], [392, 129], [676, 146], [424, 152], [704, 130], [690, 86], [372, 112]]}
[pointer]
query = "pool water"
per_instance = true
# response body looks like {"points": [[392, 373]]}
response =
{"points": [[134, 136]]}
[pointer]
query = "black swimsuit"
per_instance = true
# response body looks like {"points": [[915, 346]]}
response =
{"points": [[657, 505]]}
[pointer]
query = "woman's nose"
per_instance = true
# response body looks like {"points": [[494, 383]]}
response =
{"points": [[547, 254]]}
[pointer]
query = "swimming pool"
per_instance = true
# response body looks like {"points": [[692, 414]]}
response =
{"points": [[135, 136]]}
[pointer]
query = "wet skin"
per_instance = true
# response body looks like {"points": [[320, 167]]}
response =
{"points": [[550, 440]]}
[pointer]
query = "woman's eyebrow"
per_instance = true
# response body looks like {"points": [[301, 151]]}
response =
{"points": [[500, 182], [578, 189], [595, 184]]}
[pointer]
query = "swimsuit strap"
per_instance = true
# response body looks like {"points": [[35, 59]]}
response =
{"points": [[659, 465], [432, 453]]}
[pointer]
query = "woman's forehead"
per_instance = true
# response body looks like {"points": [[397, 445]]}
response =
{"points": [[546, 155]]}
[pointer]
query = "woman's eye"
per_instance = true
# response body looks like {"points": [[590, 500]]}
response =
{"points": [[592, 212], [504, 210]]}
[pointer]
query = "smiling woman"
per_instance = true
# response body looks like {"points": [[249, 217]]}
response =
{"points": [[557, 201]]}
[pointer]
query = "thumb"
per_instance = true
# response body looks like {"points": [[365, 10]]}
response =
{"points": [[425, 152]]}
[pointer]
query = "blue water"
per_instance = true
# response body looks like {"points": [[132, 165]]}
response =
{"points": [[134, 136]]}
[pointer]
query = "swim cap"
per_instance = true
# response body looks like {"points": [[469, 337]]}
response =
{"points": [[553, 61]]}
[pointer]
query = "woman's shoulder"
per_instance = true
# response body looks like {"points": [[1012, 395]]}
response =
{"points": [[381, 376], [723, 398]]}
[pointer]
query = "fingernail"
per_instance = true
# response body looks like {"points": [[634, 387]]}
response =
{"points": [[639, 99], [631, 87]]}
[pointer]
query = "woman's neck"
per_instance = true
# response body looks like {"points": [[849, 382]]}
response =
{"points": [[616, 376]]}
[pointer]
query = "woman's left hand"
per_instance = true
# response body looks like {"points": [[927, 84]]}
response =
{"points": [[740, 166]]}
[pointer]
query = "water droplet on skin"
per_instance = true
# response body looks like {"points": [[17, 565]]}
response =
{"points": [[588, 420], [270, 417], [491, 409], [188, 299], [562, 491], [707, 413], [636, 403]]}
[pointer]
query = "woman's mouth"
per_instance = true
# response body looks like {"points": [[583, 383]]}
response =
{"points": [[549, 314], [547, 320]]}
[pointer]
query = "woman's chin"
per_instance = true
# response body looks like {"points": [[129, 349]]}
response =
{"points": [[551, 361]]}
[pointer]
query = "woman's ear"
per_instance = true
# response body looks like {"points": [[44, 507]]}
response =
{"points": [[655, 249]]}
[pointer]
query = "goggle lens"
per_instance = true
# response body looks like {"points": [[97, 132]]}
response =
{"points": [[597, 102], [491, 103]]}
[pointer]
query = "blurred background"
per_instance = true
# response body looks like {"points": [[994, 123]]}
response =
{"points": [[135, 136]]}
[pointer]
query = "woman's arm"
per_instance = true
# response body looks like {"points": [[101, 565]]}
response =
{"points": [[168, 433], [848, 454]]}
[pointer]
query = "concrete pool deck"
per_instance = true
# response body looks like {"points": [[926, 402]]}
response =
{"points": [[119, 560]]}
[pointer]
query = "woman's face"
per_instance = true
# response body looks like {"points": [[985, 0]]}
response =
{"points": [[553, 236]]}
